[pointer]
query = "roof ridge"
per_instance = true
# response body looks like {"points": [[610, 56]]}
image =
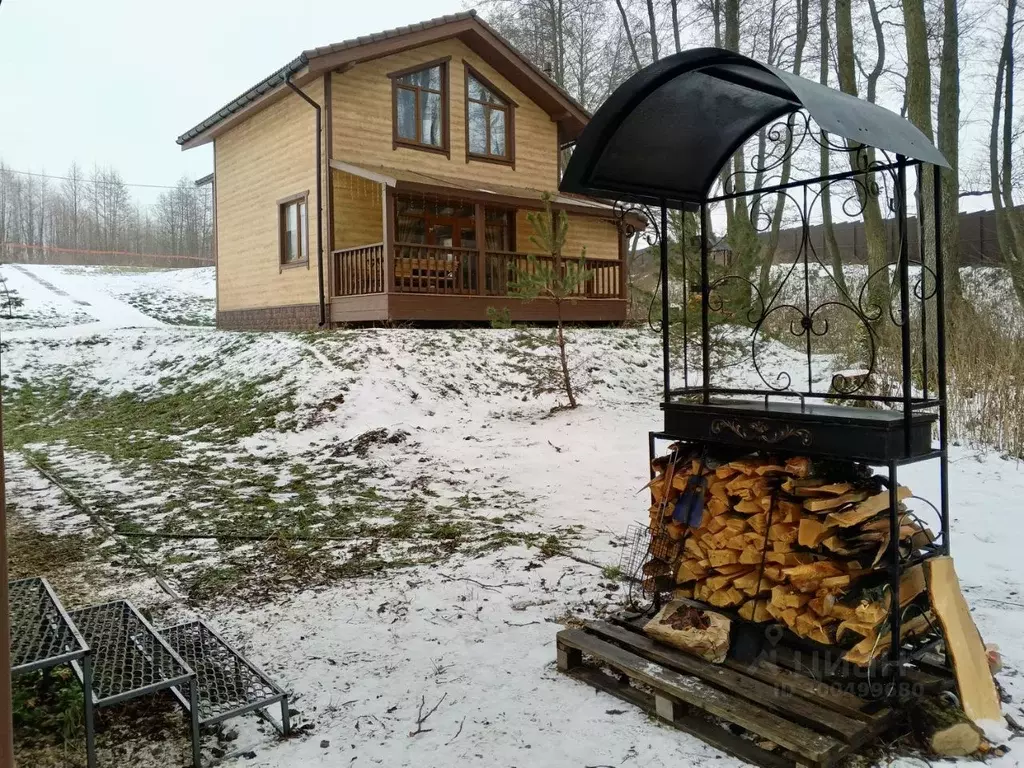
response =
{"points": [[276, 78]]}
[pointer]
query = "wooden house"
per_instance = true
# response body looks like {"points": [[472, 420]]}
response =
{"points": [[389, 178]]}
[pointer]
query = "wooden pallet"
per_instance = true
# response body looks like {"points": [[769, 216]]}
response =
{"points": [[810, 723]]}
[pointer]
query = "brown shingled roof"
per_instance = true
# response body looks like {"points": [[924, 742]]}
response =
{"points": [[478, 35]]}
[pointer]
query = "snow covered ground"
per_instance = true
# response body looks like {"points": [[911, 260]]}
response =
{"points": [[403, 521]]}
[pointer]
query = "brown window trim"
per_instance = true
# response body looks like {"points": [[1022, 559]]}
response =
{"points": [[396, 141], [281, 263], [510, 121]]}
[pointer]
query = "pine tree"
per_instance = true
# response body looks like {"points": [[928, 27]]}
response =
{"points": [[554, 279]]}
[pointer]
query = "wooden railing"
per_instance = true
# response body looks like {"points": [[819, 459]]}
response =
{"points": [[359, 270], [435, 269], [447, 270], [504, 267]]}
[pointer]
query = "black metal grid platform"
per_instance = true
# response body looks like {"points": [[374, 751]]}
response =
{"points": [[43, 636], [42, 633], [228, 683], [130, 658]]}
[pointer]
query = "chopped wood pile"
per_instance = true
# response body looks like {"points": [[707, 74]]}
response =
{"points": [[800, 542]]}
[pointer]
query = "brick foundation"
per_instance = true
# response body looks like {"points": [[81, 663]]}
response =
{"points": [[295, 317]]}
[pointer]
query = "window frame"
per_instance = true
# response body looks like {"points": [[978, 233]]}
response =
{"points": [[509, 158], [282, 207], [398, 141]]}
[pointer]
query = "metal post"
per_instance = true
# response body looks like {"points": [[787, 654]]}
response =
{"points": [[705, 335], [286, 722], [904, 271], [894, 577], [686, 298], [193, 694], [940, 348], [6, 724], [664, 302], [923, 256], [90, 721]]}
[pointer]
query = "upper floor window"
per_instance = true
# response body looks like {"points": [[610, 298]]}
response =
{"points": [[421, 106], [489, 116]]}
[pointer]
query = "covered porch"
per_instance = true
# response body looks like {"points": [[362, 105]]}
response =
{"points": [[448, 252]]}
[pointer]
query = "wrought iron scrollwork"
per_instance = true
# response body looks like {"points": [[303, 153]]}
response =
{"points": [[626, 213], [761, 431]]}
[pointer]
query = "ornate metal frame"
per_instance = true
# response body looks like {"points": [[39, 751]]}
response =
{"points": [[902, 292]]}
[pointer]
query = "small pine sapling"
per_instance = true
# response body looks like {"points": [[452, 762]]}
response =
{"points": [[556, 280]]}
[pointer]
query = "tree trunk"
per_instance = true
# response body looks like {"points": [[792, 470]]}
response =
{"points": [[768, 251], [832, 253], [1000, 170], [563, 360], [919, 111], [675, 24], [949, 145], [654, 30], [629, 35], [877, 290]]}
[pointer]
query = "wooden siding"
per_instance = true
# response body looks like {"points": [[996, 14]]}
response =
{"points": [[600, 236], [433, 308], [358, 210], [258, 162], [362, 122]]}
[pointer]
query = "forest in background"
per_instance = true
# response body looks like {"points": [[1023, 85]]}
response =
{"points": [[950, 66], [97, 212]]}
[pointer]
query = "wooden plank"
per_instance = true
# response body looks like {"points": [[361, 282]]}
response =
{"points": [[974, 681], [824, 695], [771, 697], [814, 747], [708, 732], [794, 680]]}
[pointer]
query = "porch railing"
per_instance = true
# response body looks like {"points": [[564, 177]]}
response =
{"points": [[456, 271], [359, 270], [435, 269]]}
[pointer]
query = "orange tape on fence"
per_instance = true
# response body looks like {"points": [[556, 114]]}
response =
{"points": [[55, 249]]}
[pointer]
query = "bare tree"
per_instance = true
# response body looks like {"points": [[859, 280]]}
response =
{"points": [[861, 157]]}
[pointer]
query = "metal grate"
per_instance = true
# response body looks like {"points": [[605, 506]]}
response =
{"points": [[129, 658], [42, 634], [228, 684]]}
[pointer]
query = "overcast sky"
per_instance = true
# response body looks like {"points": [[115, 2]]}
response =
{"points": [[114, 82]]}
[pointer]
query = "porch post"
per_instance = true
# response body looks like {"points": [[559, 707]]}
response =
{"points": [[481, 245], [388, 220], [623, 277]]}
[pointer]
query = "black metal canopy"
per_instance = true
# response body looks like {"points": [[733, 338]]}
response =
{"points": [[665, 133]]}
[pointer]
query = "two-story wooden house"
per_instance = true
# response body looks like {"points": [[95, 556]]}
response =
{"points": [[389, 178]]}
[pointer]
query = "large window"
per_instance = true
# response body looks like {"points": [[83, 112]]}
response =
{"points": [[421, 107], [293, 227], [489, 117]]}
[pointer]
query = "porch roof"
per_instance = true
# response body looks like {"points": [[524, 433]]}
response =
{"points": [[403, 180]]}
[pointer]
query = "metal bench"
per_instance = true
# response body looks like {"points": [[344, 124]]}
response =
{"points": [[131, 659], [228, 683], [43, 636]]}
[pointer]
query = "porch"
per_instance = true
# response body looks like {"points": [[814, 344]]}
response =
{"points": [[411, 281], [447, 253]]}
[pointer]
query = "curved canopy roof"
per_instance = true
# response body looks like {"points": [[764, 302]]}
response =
{"points": [[666, 132]]}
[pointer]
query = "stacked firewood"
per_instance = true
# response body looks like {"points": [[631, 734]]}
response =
{"points": [[795, 541]]}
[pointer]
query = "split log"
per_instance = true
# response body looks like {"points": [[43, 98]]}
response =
{"points": [[944, 728], [788, 542], [963, 643]]}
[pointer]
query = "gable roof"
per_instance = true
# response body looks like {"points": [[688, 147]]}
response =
{"points": [[466, 26]]}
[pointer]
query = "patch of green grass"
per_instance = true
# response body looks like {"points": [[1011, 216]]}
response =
{"points": [[611, 573], [131, 426]]}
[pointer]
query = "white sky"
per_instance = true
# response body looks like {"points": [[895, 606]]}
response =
{"points": [[114, 82]]}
